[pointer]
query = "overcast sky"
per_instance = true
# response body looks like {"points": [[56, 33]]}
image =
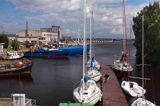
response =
{"points": [[68, 14]]}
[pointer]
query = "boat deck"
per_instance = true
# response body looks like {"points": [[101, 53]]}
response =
{"points": [[112, 92]]}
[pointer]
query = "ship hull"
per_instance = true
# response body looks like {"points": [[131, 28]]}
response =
{"points": [[74, 50], [47, 53]]}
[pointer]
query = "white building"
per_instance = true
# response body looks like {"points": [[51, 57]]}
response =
{"points": [[44, 35], [50, 34], [1, 47]]}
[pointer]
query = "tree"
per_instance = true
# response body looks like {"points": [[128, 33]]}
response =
{"points": [[15, 44], [4, 39], [151, 15]]}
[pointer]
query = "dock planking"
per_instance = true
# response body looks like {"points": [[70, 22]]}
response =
{"points": [[112, 92]]}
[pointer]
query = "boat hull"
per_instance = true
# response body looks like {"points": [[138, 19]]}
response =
{"points": [[90, 94], [142, 102], [24, 70], [133, 89], [74, 50], [47, 53]]}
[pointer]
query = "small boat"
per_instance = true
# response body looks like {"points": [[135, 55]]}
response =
{"points": [[142, 102], [94, 75], [47, 53], [18, 67], [74, 104], [95, 64], [13, 55], [87, 92], [133, 89], [122, 66]]}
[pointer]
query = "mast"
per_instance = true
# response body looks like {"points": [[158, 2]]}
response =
{"points": [[91, 17], [125, 42], [84, 43], [78, 37], [142, 50], [26, 34]]}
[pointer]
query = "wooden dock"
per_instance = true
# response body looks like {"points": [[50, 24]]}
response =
{"points": [[112, 92]]}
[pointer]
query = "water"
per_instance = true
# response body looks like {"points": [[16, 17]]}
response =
{"points": [[53, 80]]}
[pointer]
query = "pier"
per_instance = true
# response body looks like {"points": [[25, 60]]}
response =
{"points": [[112, 92]]}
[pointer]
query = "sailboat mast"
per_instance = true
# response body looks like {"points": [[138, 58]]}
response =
{"points": [[142, 50], [125, 42], [78, 36], [91, 17], [84, 42]]}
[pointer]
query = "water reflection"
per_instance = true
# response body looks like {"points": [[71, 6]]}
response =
{"points": [[20, 78]]}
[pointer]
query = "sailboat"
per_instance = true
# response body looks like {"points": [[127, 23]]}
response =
{"points": [[131, 87], [142, 101], [122, 65], [93, 65], [92, 61], [87, 91]]}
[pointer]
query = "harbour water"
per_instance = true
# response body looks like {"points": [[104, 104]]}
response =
{"points": [[53, 80]]}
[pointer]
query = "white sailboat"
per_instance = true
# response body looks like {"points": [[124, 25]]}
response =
{"points": [[93, 65], [142, 101], [87, 91], [133, 89], [123, 64]]}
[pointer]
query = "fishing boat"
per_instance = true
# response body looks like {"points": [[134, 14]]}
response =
{"points": [[74, 50], [133, 89], [122, 66], [12, 55], [87, 91], [16, 67], [47, 53], [142, 101]]}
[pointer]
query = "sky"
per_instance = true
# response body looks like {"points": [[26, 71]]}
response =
{"points": [[68, 14]]}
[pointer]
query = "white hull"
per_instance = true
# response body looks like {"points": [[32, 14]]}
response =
{"points": [[122, 66], [96, 65], [142, 102], [94, 75], [133, 89], [90, 94], [13, 55]]}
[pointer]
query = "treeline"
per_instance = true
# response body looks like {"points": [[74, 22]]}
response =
{"points": [[9, 44], [151, 15]]}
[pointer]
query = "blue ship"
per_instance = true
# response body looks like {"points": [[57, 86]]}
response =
{"points": [[74, 50], [47, 53]]}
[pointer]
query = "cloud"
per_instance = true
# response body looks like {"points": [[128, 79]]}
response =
{"points": [[69, 14]]}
